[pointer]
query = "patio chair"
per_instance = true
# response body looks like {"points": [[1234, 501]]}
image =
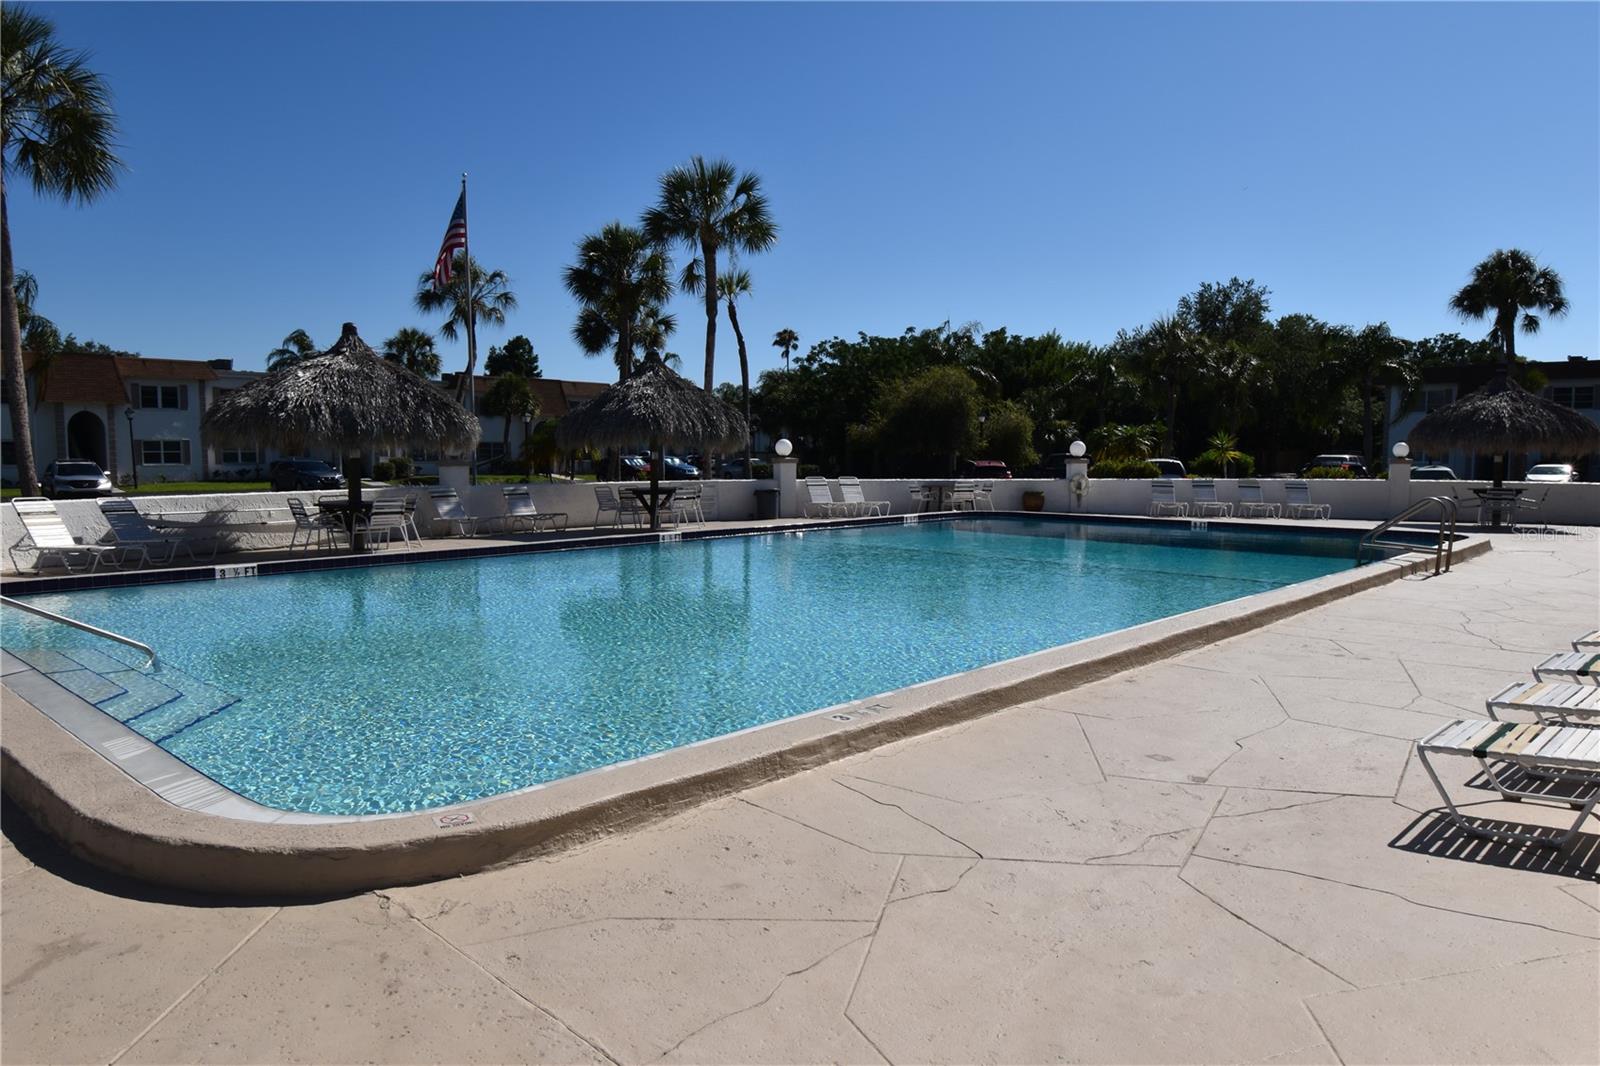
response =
{"points": [[411, 516], [1469, 508], [686, 505], [1252, 504], [1577, 667], [387, 517], [1587, 642], [606, 502], [449, 509], [1206, 504], [923, 497], [964, 496], [315, 527], [1527, 504], [1565, 753], [1164, 499], [47, 536], [129, 527], [856, 500], [983, 500], [1559, 701], [522, 515], [1297, 496], [820, 501]]}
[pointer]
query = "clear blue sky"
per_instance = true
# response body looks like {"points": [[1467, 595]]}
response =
{"points": [[1072, 167]]}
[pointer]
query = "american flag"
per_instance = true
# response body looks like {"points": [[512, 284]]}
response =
{"points": [[455, 239]]}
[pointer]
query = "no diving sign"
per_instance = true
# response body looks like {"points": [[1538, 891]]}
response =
{"points": [[453, 820]]}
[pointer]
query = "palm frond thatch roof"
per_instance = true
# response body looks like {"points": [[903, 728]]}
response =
{"points": [[655, 405], [348, 398], [1504, 417]]}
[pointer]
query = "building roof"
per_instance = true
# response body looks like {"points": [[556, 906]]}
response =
{"points": [[95, 377], [165, 369], [556, 396], [1469, 376]]}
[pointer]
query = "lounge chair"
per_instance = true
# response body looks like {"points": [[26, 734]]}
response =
{"points": [[856, 500], [129, 527], [1587, 642], [1297, 497], [964, 496], [1546, 700], [521, 514], [1252, 504], [1577, 667], [1566, 753], [1164, 499], [1206, 504], [449, 509], [315, 527], [820, 501], [47, 536]]}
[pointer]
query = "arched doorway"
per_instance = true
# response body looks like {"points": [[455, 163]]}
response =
{"points": [[86, 438]]}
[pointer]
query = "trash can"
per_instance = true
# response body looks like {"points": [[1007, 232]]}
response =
{"points": [[766, 503]]}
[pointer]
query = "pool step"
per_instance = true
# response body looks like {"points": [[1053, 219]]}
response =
{"points": [[157, 705]]}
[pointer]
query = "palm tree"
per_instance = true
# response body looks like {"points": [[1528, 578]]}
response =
{"points": [[296, 346], [654, 327], [510, 397], [413, 349], [1166, 353], [706, 207], [732, 285], [1505, 283], [1374, 357], [488, 295], [619, 275], [56, 130], [787, 340]]}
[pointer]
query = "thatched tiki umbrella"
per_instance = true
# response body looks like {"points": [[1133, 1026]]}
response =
{"points": [[347, 398], [1504, 417], [654, 405]]}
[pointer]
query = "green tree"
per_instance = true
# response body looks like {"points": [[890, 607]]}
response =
{"points": [[786, 341], [473, 295], [655, 326], [413, 349], [708, 207], [619, 274], [1374, 358], [1008, 435], [1166, 356], [515, 356], [57, 132], [1505, 284], [296, 346], [1222, 452], [509, 398], [931, 416], [734, 284]]}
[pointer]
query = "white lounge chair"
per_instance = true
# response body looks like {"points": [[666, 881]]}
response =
{"points": [[1546, 700], [856, 500], [522, 515], [47, 537], [1164, 499], [1206, 504], [1587, 642], [1252, 504], [1577, 667], [129, 527], [1297, 497], [820, 501], [449, 509], [1566, 753]]}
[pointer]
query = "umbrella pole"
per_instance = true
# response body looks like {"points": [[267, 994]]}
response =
{"points": [[656, 458], [352, 478]]}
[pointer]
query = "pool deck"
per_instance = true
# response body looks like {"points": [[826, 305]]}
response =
{"points": [[1228, 856]]}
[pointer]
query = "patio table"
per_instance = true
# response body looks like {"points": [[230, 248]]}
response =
{"points": [[662, 498], [941, 492], [1498, 502], [347, 514]]}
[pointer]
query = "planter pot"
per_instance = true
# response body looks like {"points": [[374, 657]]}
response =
{"points": [[1033, 500]]}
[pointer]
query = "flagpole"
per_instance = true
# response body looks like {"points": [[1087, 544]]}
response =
{"points": [[472, 310]]}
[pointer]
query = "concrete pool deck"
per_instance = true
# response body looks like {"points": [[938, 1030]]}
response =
{"points": [[1226, 856]]}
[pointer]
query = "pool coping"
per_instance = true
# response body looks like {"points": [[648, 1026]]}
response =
{"points": [[160, 820]]}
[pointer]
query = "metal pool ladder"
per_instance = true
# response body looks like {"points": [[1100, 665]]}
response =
{"points": [[1443, 549], [86, 627]]}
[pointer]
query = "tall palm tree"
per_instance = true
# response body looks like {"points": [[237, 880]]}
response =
{"points": [[488, 295], [1167, 354], [295, 347], [619, 274], [708, 207], [56, 131], [654, 327], [413, 349], [1374, 357], [1508, 282], [732, 285], [787, 340]]}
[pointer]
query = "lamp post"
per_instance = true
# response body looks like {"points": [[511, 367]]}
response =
{"points": [[133, 452], [527, 430]]}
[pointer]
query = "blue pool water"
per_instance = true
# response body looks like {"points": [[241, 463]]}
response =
{"points": [[403, 687]]}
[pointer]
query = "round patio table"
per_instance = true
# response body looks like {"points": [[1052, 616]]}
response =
{"points": [[340, 508], [652, 507], [1498, 502]]}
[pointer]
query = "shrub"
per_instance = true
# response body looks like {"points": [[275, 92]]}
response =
{"points": [[383, 470], [1208, 464], [403, 467], [1124, 468], [1335, 472], [808, 470]]}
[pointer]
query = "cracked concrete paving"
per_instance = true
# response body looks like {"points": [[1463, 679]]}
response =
{"points": [[1232, 856]]}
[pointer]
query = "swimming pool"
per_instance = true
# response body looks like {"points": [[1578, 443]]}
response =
{"points": [[398, 688]]}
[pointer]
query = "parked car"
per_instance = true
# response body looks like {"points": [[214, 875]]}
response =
{"points": [[75, 477], [984, 469], [1339, 461], [1433, 473], [1551, 472], [1170, 467], [678, 469], [289, 475], [1052, 465], [635, 467]]}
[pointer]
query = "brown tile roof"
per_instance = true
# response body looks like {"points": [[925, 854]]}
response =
{"points": [[166, 369], [77, 377]]}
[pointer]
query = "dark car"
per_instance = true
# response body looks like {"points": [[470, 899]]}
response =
{"points": [[288, 475], [1338, 461], [984, 469], [75, 477], [682, 471]]}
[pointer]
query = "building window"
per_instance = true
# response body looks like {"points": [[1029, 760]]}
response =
{"points": [[1438, 396], [1580, 397], [164, 452], [162, 396], [489, 451], [8, 453], [425, 455], [239, 456]]}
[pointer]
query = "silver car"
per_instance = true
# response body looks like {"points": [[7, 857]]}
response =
{"points": [[1551, 472]]}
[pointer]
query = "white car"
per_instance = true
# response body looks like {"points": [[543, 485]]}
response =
{"points": [[1550, 472]]}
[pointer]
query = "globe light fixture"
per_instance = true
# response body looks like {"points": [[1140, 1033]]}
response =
{"points": [[1401, 450], [1077, 449], [783, 448]]}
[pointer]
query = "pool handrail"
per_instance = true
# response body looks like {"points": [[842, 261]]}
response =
{"points": [[1444, 548], [153, 660]]}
